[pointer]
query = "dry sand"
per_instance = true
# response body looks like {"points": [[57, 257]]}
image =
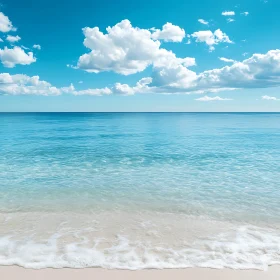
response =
{"points": [[16, 273]]}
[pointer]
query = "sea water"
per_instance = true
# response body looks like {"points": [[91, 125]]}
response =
{"points": [[140, 190]]}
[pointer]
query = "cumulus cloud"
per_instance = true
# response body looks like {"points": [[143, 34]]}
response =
{"points": [[258, 71], [5, 24], [169, 33], [16, 55], [23, 84], [228, 13], [140, 87], [202, 21], [38, 47], [245, 13], [13, 39], [267, 97], [126, 50], [93, 91], [215, 98], [20, 84], [210, 38], [228, 60]]}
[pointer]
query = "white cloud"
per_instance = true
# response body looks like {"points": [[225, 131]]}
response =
{"points": [[5, 24], [23, 84], [189, 40], [245, 13], [11, 57], [91, 91], [230, 20], [202, 21], [20, 84], [1, 40], [13, 39], [266, 97], [228, 13], [210, 38], [95, 91], [227, 59], [140, 87], [25, 48], [169, 33], [216, 98], [127, 50], [258, 71], [36, 46]]}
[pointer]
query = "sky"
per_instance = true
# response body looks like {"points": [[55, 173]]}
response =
{"points": [[139, 56]]}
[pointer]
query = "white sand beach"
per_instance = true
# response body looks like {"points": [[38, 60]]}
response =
{"points": [[15, 273]]}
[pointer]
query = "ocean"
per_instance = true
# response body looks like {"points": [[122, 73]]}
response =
{"points": [[140, 190]]}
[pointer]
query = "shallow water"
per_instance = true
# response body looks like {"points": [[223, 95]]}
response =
{"points": [[140, 190]]}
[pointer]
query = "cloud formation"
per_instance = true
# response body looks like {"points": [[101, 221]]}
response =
{"points": [[228, 13], [23, 84], [38, 47], [230, 20], [210, 38], [228, 60], [126, 50], [202, 21], [16, 55], [215, 98], [267, 97], [13, 39], [169, 33], [5, 24], [258, 71]]}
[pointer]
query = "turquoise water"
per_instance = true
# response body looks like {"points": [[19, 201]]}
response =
{"points": [[167, 170]]}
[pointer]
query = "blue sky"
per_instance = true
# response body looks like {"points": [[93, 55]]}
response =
{"points": [[157, 56]]}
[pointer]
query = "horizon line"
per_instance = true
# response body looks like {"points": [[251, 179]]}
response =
{"points": [[136, 112]]}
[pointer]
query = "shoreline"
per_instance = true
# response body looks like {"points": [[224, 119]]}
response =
{"points": [[17, 272]]}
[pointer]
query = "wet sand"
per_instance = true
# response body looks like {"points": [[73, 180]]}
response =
{"points": [[15, 273]]}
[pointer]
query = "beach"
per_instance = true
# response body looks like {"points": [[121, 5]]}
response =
{"points": [[139, 140], [14, 273]]}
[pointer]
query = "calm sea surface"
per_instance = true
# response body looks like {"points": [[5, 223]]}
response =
{"points": [[140, 190]]}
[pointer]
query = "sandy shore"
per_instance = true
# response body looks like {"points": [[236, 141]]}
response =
{"points": [[15, 273]]}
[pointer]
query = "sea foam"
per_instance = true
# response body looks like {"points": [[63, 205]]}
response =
{"points": [[246, 248]]}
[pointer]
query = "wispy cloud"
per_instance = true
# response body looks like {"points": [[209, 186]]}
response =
{"points": [[267, 97], [227, 59], [38, 47], [230, 20], [215, 98], [202, 21]]}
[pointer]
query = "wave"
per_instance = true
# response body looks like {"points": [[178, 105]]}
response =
{"points": [[247, 247]]}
